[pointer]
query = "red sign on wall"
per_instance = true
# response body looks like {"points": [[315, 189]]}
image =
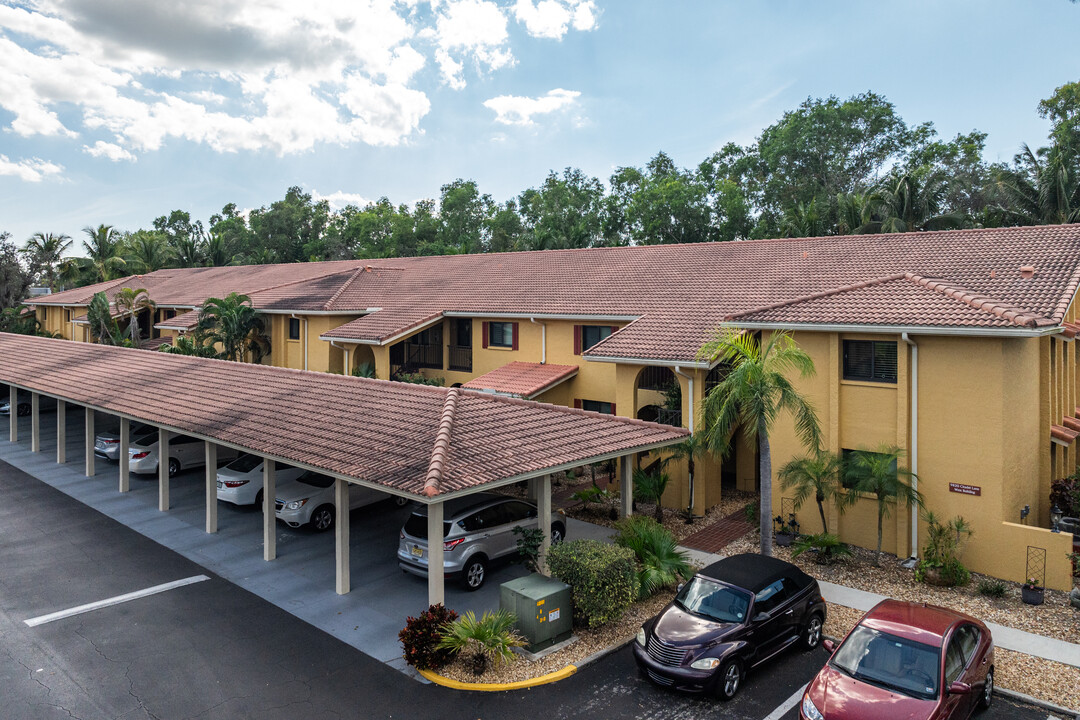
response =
{"points": [[965, 489]]}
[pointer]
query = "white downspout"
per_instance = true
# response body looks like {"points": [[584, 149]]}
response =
{"points": [[294, 315], [543, 339], [333, 343], [914, 441], [690, 407]]}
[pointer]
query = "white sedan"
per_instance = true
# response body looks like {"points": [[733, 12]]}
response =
{"points": [[185, 452], [241, 481], [310, 499]]}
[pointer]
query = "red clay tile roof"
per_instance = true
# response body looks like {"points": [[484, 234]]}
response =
{"points": [[1063, 435], [679, 294], [383, 325], [523, 379], [380, 432], [183, 321]]}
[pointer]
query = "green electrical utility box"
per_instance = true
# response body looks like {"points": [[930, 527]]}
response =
{"points": [[542, 607]]}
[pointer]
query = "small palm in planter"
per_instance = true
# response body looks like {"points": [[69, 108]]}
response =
{"points": [[786, 532], [491, 638], [825, 546], [1032, 593]]}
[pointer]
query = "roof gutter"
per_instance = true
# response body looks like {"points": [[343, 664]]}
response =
{"points": [[901, 329], [914, 405], [543, 339]]}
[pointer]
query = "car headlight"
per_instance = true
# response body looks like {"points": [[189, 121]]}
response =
{"points": [[641, 636], [706, 664], [296, 504], [809, 709]]}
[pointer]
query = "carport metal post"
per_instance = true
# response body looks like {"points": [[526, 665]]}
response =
{"points": [[13, 414], [61, 432], [626, 485], [269, 520], [341, 536], [163, 469], [125, 457], [543, 512], [211, 486], [35, 422], [435, 589], [88, 427]]}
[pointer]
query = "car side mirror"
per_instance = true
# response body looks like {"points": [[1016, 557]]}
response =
{"points": [[680, 587], [959, 688], [829, 645], [762, 616]]}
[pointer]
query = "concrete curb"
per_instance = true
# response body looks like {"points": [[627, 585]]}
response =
{"points": [[1029, 700], [500, 687]]}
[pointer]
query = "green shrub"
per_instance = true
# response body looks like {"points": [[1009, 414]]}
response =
{"points": [[491, 638], [365, 370], [419, 379], [660, 563], [992, 588], [1065, 493], [941, 553], [421, 636], [529, 541], [827, 546], [751, 512], [602, 578]]}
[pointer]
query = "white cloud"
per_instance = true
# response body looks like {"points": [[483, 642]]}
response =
{"points": [[340, 199], [32, 170], [474, 29], [516, 110], [109, 151], [553, 18]]}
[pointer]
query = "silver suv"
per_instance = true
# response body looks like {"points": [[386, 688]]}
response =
{"points": [[478, 531]]}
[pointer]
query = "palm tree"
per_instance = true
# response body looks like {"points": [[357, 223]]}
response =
{"points": [[193, 344], [146, 251], [233, 323], [218, 250], [802, 220], [877, 473], [649, 487], [914, 202], [102, 247], [188, 250], [855, 214], [261, 256], [1044, 188], [690, 449], [103, 327], [750, 398], [817, 475], [133, 302], [43, 253]]}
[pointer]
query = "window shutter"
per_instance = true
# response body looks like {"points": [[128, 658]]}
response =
{"points": [[577, 403], [514, 336], [484, 330], [577, 339], [613, 409], [614, 329]]}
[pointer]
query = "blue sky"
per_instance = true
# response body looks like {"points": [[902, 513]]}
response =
{"points": [[117, 111]]}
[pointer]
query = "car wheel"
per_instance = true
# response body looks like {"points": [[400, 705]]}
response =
{"points": [[731, 677], [323, 518], [400, 501], [558, 533], [174, 467], [473, 574], [987, 696], [259, 499], [811, 634]]}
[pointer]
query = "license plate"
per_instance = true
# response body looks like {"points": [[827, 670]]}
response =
{"points": [[417, 551], [100, 445], [220, 485]]}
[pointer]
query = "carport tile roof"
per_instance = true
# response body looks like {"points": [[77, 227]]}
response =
{"points": [[523, 379], [183, 321], [375, 431]]}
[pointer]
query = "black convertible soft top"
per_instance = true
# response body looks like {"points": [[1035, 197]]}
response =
{"points": [[754, 572]]}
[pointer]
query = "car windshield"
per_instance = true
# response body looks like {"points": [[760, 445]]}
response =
{"points": [[904, 666], [317, 479], [245, 463], [713, 600]]}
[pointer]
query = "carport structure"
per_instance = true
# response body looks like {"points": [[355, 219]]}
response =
{"points": [[426, 444]]}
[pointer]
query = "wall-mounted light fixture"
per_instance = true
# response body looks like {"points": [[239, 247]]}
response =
{"points": [[1055, 518], [1024, 512]]}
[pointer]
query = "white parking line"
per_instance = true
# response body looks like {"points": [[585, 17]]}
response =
{"points": [[785, 706], [61, 614]]}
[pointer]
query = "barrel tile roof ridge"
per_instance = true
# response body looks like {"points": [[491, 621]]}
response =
{"points": [[1015, 315]]}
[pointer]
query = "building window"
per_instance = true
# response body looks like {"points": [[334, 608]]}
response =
{"points": [[170, 314], [592, 334], [870, 360], [600, 407], [294, 328], [846, 457], [501, 334], [67, 315]]}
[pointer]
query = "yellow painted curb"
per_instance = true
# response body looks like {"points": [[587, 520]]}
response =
{"points": [[499, 687]]}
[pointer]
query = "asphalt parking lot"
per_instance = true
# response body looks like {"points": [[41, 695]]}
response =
{"points": [[211, 649]]}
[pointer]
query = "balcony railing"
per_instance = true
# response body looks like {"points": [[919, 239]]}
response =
{"points": [[419, 355], [461, 358]]}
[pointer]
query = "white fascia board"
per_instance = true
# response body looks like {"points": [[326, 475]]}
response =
{"points": [[898, 329], [698, 364], [544, 316], [278, 311]]}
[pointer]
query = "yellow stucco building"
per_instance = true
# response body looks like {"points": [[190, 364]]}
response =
{"points": [[958, 347]]}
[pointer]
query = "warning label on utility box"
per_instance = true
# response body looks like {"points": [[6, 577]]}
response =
{"points": [[553, 615]]}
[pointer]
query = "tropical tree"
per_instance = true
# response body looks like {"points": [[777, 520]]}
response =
{"points": [[102, 246], [855, 213], [193, 344], [915, 201], [103, 326], [132, 302], [877, 473], [218, 250], [649, 486], [817, 475], [43, 254], [14, 278], [233, 323], [1043, 188], [660, 563], [146, 251], [802, 220], [691, 448], [751, 396]]}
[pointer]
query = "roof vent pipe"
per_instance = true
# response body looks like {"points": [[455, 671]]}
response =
{"points": [[543, 339]]}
